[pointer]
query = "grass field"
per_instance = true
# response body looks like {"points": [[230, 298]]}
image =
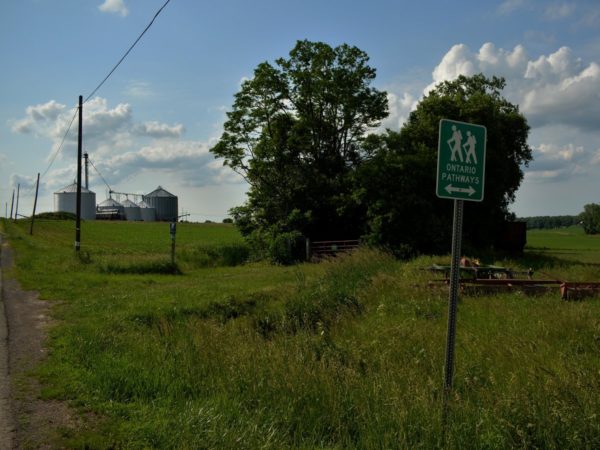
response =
{"points": [[342, 354], [570, 244]]}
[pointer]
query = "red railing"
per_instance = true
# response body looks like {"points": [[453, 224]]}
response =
{"points": [[330, 248]]}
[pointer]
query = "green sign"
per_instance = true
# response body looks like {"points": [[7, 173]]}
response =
{"points": [[461, 161]]}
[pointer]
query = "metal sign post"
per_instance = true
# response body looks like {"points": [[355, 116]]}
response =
{"points": [[453, 299], [460, 176]]}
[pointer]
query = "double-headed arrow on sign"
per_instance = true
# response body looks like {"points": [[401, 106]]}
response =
{"points": [[450, 189]]}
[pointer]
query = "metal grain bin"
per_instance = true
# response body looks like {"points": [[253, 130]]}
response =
{"points": [[65, 200], [132, 211], [147, 212], [165, 204], [110, 209]]}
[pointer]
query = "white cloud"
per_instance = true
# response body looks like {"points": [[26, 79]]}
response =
{"points": [[558, 11], [38, 115], [558, 93], [139, 89], [558, 88], [25, 183], [556, 163], [572, 100], [510, 6], [159, 130], [399, 107], [190, 162], [120, 147], [114, 7]]}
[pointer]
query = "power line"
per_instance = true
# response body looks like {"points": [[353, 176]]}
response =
{"points": [[98, 172], [127, 52], [61, 144], [53, 158]]}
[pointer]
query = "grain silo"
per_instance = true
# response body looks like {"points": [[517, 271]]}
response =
{"points": [[65, 200], [110, 209], [132, 211], [165, 204], [147, 212]]}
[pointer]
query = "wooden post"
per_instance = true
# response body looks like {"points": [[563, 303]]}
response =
{"points": [[173, 230], [85, 157], [78, 199], [12, 204], [37, 187], [17, 205]]}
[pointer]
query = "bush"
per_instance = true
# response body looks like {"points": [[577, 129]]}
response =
{"points": [[142, 268], [279, 248], [213, 255]]}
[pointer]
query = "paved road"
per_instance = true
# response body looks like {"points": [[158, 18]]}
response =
{"points": [[7, 431]]}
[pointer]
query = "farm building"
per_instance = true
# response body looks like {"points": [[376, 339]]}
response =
{"points": [[147, 212], [65, 200], [164, 203], [110, 209], [132, 211]]}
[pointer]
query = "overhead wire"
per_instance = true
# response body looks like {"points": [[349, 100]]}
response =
{"points": [[56, 152], [127, 52], [98, 172], [62, 142], [59, 148]]}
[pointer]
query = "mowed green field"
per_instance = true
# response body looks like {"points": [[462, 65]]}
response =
{"points": [[343, 354], [570, 244]]}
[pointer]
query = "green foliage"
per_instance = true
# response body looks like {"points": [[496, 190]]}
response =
{"points": [[279, 248], [139, 268], [216, 255], [590, 218], [60, 215], [549, 222], [294, 133], [397, 185]]}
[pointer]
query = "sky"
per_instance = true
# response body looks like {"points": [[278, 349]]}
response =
{"points": [[153, 121]]}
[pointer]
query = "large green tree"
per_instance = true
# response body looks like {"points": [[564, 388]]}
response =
{"points": [[295, 133], [398, 183], [590, 218]]}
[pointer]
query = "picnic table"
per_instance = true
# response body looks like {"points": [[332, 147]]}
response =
{"points": [[481, 271]]}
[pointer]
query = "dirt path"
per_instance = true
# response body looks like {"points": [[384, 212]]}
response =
{"points": [[26, 420], [7, 428]]}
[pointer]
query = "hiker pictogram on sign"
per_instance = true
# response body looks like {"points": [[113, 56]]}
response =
{"points": [[461, 160]]}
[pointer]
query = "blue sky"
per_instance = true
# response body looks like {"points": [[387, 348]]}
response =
{"points": [[155, 118]]}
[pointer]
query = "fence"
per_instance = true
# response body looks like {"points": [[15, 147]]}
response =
{"points": [[320, 249]]}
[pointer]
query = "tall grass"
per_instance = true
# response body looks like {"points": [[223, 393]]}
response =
{"points": [[341, 355]]}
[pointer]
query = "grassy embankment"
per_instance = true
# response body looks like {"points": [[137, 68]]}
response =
{"points": [[342, 354]]}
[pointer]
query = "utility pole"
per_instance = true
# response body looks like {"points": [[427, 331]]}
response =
{"points": [[12, 204], [37, 186], [85, 157], [78, 199], [17, 206]]}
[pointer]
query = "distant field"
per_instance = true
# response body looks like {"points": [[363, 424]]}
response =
{"points": [[345, 354], [570, 244]]}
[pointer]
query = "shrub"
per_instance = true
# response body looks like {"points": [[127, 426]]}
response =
{"points": [[279, 248], [216, 255]]}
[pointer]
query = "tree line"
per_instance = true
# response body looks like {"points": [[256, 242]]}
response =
{"points": [[302, 133], [589, 219], [549, 222]]}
